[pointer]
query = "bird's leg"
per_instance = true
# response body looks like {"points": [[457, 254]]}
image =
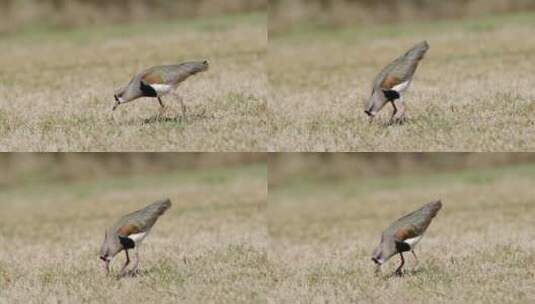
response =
{"points": [[160, 101], [399, 118], [162, 107], [123, 270], [183, 106], [398, 271], [134, 269], [392, 120], [107, 266], [414, 254], [377, 269]]}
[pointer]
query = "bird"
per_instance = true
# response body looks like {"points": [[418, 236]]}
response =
{"points": [[404, 234], [158, 81], [128, 233], [393, 81]]}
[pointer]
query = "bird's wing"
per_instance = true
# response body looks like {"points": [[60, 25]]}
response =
{"points": [[170, 74], [154, 76], [407, 232], [143, 219], [401, 69], [390, 82], [128, 229], [388, 78], [414, 223], [407, 64], [180, 72]]}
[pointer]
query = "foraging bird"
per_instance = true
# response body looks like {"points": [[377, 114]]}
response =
{"points": [[129, 231], [393, 81], [404, 234], [158, 81]]}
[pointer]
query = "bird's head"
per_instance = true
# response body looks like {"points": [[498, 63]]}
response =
{"points": [[117, 102], [111, 246], [384, 251], [377, 257], [198, 66], [375, 103], [118, 96]]}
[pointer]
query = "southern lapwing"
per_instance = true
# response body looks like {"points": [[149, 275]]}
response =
{"points": [[393, 81], [128, 232], [158, 81], [404, 234]]}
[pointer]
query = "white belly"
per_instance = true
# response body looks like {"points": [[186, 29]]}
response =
{"points": [[138, 237], [413, 241], [162, 89], [402, 87]]}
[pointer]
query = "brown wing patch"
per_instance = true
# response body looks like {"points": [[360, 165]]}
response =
{"points": [[390, 82], [152, 78], [402, 234], [128, 229]]}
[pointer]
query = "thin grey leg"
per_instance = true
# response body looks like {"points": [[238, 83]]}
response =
{"points": [[414, 254], [123, 270], [399, 118], [392, 119], [398, 271], [134, 269], [183, 106]]}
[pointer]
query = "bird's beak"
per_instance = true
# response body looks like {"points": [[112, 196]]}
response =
{"points": [[106, 264], [117, 103], [370, 114], [377, 261]]}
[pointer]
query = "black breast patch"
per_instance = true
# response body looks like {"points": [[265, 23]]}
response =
{"points": [[148, 90], [391, 95], [127, 242], [402, 246]]}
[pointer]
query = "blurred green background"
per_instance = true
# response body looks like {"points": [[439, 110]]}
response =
{"points": [[286, 14], [28, 168], [289, 168], [22, 14]]}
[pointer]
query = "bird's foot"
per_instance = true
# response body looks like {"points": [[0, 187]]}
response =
{"points": [[162, 111], [397, 121], [182, 118], [377, 270], [129, 273], [398, 273], [134, 272]]}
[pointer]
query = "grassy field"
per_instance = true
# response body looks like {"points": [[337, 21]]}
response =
{"points": [[474, 91], [57, 86], [479, 249], [50, 235]]}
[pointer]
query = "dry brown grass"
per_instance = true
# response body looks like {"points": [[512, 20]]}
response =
{"points": [[479, 249], [56, 88], [474, 91], [50, 235], [225, 241]]}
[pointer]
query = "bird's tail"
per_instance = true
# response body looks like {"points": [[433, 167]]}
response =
{"points": [[432, 208], [418, 51], [158, 208]]}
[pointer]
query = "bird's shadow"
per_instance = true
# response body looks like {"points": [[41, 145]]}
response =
{"points": [[163, 119], [406, 273], [177, 119], [393, 124], [133, 274]]}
